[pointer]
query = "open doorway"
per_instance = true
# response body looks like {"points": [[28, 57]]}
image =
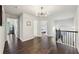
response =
{"points": [[12, 33]]}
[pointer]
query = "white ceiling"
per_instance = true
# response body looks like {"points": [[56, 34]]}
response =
{"points": [[34, 9]]}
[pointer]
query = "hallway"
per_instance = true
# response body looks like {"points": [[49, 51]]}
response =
{"points": [[42, 29]]}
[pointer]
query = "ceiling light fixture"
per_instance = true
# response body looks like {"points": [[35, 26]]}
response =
{"points": [[42, 12]]}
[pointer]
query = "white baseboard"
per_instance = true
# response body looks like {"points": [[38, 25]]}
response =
{"points": [[29, 38]]}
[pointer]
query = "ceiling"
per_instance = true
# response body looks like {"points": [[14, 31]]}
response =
{"points": [[34, 9]]}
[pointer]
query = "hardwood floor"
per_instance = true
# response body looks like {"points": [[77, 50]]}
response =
{"points": [[64, 49], [34, 46], [6, 48]]}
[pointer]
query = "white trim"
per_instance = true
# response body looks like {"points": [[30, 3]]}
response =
{"points": [[27, 38]]}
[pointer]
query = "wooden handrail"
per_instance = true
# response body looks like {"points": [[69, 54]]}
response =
{"points": [[68, 31]]}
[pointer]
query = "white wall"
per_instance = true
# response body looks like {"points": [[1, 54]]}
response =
{"points": [[2, 33], [51, 27], [21, 26], [27, 32], [2, 40], [60, 18], [66, 24], [35, 23], [76, 18]]}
